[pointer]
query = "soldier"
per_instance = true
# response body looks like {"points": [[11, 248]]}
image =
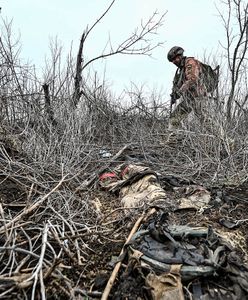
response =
{"points": [[189, 88]]}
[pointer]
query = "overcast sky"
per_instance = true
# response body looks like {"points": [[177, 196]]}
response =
{"points": [[192, 24]]}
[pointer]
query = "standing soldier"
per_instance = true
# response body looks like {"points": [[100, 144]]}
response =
{"points": [[191, 86]]}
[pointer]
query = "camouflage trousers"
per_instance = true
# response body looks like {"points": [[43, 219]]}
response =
{"points": [[198, 105]]}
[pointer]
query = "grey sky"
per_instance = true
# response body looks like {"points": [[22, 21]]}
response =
{"points": [[192, 24]]}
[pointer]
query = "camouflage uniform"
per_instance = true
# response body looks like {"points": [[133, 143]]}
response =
{"points": [[190, 91]]}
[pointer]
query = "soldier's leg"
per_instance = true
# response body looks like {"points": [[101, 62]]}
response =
{"points": [[202, 111], [179, 113]]}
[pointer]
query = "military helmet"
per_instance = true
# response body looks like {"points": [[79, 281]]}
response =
{"points": [[174, 51]]}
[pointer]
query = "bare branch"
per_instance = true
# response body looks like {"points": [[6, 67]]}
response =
{"points": [[137, 43]]}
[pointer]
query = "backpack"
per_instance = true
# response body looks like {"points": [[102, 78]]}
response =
{"points": [[210, 77]]}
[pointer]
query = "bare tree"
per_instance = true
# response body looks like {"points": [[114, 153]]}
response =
{"points": [[17, 79], [236, 28], [138, 43]]}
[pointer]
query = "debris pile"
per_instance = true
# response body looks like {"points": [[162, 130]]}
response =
{"points": [[187, 248]]}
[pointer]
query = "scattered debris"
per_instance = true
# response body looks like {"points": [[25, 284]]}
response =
{"points": [[169, 257]]}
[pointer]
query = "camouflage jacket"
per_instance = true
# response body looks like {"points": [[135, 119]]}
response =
{"points": [[187, 80]]}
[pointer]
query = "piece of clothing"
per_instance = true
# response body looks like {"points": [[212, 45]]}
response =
{"points": [[192, 83], [137, 185], [188, 79], [165, 286]]}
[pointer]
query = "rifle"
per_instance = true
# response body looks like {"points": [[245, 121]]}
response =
{"points": [[175, 89]]}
